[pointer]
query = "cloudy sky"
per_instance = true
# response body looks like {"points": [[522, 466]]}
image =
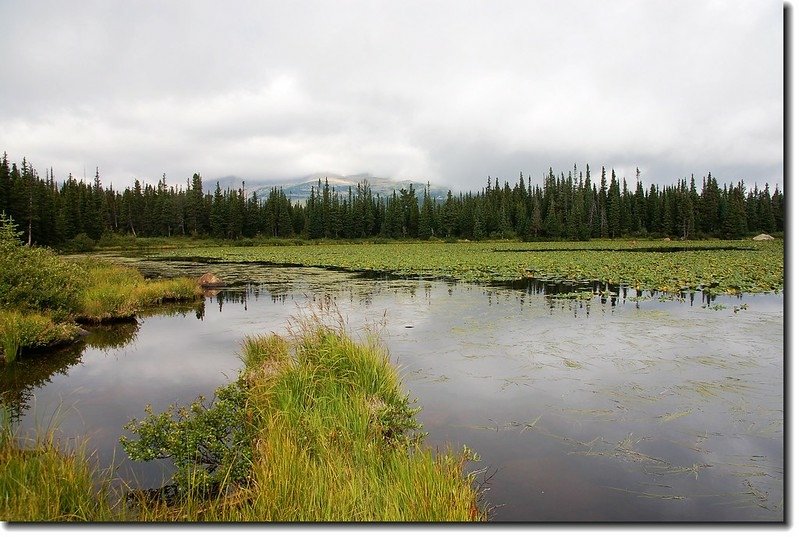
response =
{"points": [[446, 91]]}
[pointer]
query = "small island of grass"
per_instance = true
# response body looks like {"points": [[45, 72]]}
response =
{"points": [[44, 297]]}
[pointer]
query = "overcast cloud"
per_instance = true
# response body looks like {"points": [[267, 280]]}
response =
{"points": [[449, 92]]}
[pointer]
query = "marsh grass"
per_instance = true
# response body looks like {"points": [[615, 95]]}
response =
{"points": [[339, 440], [113, 292], [43, 479], [31, 331], [333, 436]]}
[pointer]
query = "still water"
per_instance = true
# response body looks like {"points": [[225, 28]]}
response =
{"points": [[616, 408]]}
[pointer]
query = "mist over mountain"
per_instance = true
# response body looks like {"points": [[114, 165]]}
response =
{"points": [[300, 189]]}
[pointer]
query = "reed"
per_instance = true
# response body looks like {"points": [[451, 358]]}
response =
{"points": [[334, 439], [44, 480]]}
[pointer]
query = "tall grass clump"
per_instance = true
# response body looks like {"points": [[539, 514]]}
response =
{"points": [[332, 438], [45, 481], [31, 331], [339, 440]]}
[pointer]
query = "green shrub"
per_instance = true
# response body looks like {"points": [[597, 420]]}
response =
{"points": [[34, 279], [211, 445], [80, 243]]}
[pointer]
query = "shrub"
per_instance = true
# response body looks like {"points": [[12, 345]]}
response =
{"points": [[80, 243], [211, 446], [34, 279]]}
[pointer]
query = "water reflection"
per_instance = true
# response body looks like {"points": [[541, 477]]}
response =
{"points": [[558, 290], [21, 378]]}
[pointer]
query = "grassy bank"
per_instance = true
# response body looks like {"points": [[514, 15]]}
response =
{"points": [[718, 267], [45, 481], [316, 428], [42, 295]]}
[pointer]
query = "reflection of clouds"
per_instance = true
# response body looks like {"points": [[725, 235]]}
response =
{"points": [[21, 379], [479, 355]]}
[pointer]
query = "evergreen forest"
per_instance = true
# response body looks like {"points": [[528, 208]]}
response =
{"points": [[570, 206]]}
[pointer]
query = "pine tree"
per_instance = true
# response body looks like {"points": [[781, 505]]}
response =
{"points": [[614, 207], [426, 215], [603, 205], [5, 185], [218, 216]]}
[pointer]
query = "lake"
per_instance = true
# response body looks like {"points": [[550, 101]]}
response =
{"points": [[616, 408]]}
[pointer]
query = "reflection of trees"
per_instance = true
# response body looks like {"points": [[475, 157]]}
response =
{"points": [[112, 336], [173, 309], [19, 379], [573, 294], [356, 291]]}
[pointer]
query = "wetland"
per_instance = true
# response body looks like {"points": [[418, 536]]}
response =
{"points": [[585, 401]]}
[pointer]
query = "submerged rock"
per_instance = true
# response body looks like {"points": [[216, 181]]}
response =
{"points": [[763, 237], [209, 279]]}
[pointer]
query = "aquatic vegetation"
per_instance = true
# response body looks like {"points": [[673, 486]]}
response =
{"points": [[315, 429], [671, 416], [715, 267]]}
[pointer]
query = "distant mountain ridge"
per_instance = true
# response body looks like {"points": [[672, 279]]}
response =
{"points": [[300, 189]]}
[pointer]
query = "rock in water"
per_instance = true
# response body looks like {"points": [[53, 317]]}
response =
{"points": [[210, 279]]}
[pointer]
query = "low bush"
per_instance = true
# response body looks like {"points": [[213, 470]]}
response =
{"points": [[211, 445], [80, 243], [34, 279]]}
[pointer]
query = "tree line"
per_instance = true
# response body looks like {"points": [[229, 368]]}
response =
{"points": [[567, 206]]}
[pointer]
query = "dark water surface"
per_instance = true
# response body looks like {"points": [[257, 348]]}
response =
{"points": [[651, 409]]}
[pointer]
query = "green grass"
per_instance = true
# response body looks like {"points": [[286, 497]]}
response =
{"points": [[44, 481], [111, 291], [334, 439], [31, 331], [718, 267], [339, 439]]}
